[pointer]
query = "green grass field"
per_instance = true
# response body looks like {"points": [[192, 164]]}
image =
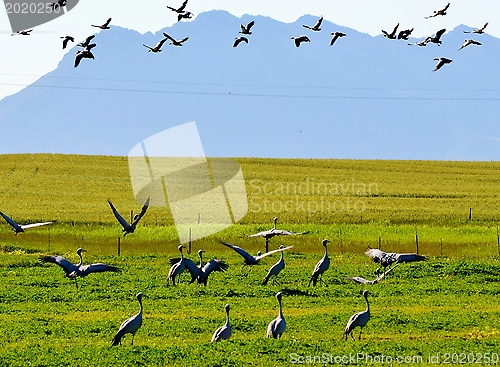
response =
{"points": [[445, 310]]}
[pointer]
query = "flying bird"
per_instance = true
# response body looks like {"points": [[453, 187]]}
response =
{"points": [[19, 228], [66, 39], [224, 332], [175, 42], [180, 9], [73, 271], [405, 34], [336, 36], [246, 30], [157, 47], [275, 232], [277, 327], [130, 325], [253, 260], [202, 271], [441, 61], [437, 37], [478, 30], [387, 258], [391, 35], [178, 267], [184, 15], [316, 26], [358, 319], [320, 267], [238, 40], [421, 43], [103, 26], [275, 269], [298, 40], [86, 42], [90, 47], [85, 54], [470, 42], [22, 33], [129, 227], [439, 12]]}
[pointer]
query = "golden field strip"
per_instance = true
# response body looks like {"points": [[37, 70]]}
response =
{"points": [[352, 202]]}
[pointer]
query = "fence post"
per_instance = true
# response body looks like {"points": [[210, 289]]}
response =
{"points": [[498, 242], [189, 248], [470, 213], [416, 240]]}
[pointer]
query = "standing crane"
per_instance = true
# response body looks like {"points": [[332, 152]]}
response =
{"points": [[275, 269], [224, 332], [320, 267], [358, 319], [130, 325], [277, 327], [202, 271], [178, 267]]}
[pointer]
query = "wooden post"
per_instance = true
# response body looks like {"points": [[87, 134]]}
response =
{"points": [[267, 244], [498, 242], [190, 236], [119, 249], [470, 213], [199, 218], [416, 240]]}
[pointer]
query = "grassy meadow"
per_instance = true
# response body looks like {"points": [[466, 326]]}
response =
{"points": [[445, 310]]}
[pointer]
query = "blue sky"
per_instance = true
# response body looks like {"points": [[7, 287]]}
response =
{"points": [[25, 59]]}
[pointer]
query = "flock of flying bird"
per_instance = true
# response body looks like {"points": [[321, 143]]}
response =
{"points": [[201, 272], [182, 13]]}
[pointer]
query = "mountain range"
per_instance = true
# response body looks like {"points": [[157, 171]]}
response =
{"points": [[364, 97]]}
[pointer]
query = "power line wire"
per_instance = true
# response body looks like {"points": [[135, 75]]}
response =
{"points": [[309, 96]]}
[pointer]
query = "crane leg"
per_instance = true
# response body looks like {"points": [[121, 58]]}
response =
{"points": [[360, 330], [321, 278]]}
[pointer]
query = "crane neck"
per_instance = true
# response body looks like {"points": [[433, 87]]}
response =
{"points": [[367, 304], [227, 318], [281, 310], [140, 306], [201, 260], [326, 250], [81, 260]]}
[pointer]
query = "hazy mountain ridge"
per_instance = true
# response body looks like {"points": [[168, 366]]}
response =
{"points": [[364, 97]]}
